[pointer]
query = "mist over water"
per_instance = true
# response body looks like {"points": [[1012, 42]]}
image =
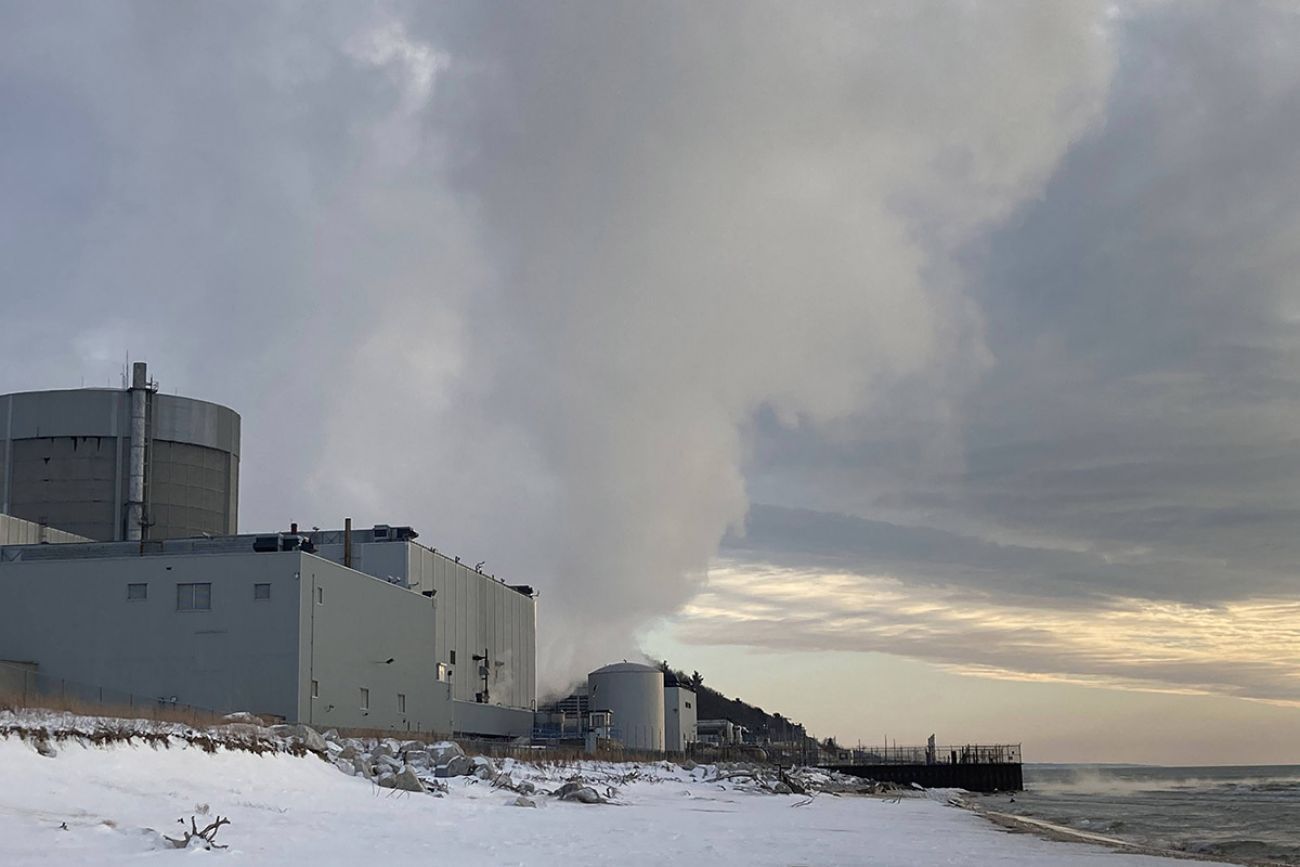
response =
{"points": [[1232, 813]]}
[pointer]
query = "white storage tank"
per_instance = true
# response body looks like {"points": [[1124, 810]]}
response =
{"points": [[634, 693]]}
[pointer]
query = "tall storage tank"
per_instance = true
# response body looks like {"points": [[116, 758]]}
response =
{"points": [[113, 464], [634, 693]]}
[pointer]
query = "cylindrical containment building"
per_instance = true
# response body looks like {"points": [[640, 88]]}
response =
{"points": [[114, 464], [634, 694]]}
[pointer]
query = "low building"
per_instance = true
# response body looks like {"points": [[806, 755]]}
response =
{"points": [[266, 624], [680, 711], [718, 732]]}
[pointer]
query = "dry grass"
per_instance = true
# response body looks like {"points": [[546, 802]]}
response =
{"points": [[155, 711]]}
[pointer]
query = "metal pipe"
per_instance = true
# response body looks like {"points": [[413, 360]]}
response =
{"points": [[347, 542], [135, 480]]}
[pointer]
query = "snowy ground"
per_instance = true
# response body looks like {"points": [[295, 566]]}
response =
{"points": [[301, 810]]}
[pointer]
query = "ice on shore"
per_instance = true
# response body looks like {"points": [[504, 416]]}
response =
{"points": [[108, 804]]}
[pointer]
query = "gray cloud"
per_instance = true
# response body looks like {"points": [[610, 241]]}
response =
{"points": [[1133, 438]]}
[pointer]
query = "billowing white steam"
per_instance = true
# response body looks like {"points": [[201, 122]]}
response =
{"points": [[525, 277], [691, 219]]}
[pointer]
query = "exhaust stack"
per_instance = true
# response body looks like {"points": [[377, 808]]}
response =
{"points": [[139, 392]]}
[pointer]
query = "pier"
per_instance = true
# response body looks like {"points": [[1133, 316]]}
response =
{"points": [[974, 767]]}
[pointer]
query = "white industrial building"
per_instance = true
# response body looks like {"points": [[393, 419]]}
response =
{"points": [[680, 712], [267, 624]]}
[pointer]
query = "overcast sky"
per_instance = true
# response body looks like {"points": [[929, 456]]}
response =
{"points": [[899, 365]]}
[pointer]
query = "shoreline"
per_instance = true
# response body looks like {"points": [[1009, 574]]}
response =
{"points": [[1059, 833]]}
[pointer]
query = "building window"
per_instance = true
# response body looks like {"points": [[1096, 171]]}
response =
{"points": [[453, 657], [194, 597], [401, 702], [688, 705], [442, 672], [365, 698], [137, 591], [320, 595], [261, 591], [315, 689]]}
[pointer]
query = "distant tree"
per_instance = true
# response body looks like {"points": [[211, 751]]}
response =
{"points": [[697, 679], [665, 667]]}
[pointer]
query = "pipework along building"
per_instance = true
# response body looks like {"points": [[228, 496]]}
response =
{"points": [[264, 624]]}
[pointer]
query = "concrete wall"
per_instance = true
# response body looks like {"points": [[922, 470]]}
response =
{"points": [[16, 531], [680, 712], [63, 461], [73, 618], [351, 625]]}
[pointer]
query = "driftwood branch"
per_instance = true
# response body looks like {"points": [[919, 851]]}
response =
{"points": [[208, 835]]}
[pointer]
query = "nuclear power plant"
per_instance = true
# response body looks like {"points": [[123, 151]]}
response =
{"points": [[123, 572]]}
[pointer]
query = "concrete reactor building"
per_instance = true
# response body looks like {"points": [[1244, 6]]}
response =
{"points": [[120, 464]]}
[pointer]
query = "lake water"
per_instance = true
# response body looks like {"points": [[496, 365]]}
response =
{"points": [[1234, 813]]}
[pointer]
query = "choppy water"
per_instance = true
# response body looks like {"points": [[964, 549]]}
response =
{"points": [[1234, 813]]}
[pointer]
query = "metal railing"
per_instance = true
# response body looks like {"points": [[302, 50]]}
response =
{"points": [[965, 754]]}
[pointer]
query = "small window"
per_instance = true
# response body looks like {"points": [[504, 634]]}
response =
{"points": [[137, 591], [442, 672], [261, 591], [194, 597], [453, 657], [401, 702], [688, 705], [320, 595], [315, 689], [365, 698]]}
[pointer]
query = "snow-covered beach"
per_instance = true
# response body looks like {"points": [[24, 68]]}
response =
{"points": [[111, 804]]}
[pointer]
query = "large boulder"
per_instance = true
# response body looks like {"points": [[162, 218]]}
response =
{"points": [[387, 780], [521, 801], [577, 790], [407, 781], [420, 758], [305, 736], [346, 767], [243, 716], [456, 766], [246, 732], [442, 751]]}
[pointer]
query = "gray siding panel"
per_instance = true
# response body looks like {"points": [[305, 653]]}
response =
{"points": [[74, 620], [349, 633]]}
